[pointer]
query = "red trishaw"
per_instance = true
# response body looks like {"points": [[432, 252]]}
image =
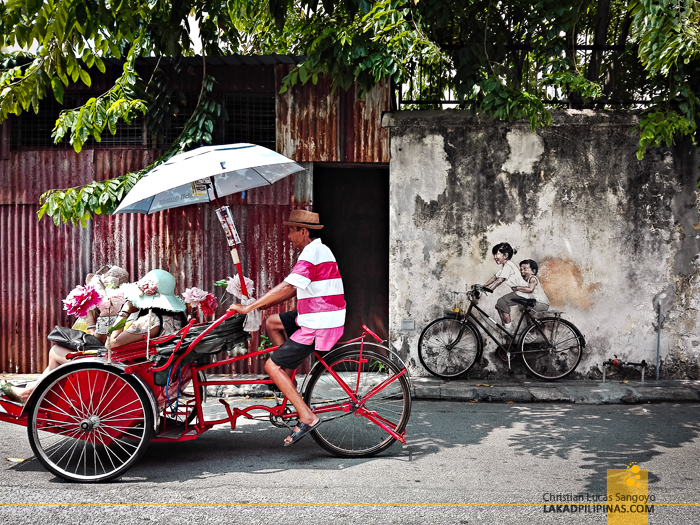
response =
{"points": [[92, 418]]}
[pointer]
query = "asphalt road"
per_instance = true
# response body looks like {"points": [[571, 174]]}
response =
{"points": [[464, 463]]}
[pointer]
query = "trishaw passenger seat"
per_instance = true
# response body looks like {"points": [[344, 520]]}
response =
{"points": [[225, 336]]}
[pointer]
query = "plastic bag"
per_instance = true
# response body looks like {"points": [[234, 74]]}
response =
{"points": [[80, 324], [253, 319]]}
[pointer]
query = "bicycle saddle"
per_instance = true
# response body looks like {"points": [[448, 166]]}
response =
{"points": [[530, 303]]}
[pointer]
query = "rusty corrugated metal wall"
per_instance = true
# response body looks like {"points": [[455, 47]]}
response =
{"points": [[313, 125], [40, 263]]}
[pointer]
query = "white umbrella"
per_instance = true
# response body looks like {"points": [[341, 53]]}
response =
{"points": [[231, 168], [205, 174]]}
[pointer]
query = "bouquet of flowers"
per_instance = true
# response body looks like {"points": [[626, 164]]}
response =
{"points": [[81, 300], [197, 297], [234, 286]]}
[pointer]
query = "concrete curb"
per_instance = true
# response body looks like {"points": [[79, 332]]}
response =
{"points": [[581, 392], [512, 391]]}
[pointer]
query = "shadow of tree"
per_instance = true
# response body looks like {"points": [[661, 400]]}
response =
{"points": [[607, 437], [597, 437]]}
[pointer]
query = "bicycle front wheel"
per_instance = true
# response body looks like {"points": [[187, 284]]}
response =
{"points": [[552, 348], [382, 391], [448, 347]]}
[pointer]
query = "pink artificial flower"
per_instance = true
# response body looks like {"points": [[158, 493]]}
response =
{"points": [[148, 287], [195, 296], [234, 286], [208, 306], [81, 300], [112, 303]]}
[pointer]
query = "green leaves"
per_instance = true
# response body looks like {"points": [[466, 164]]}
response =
{"points": [[78, 205], [668, 35], [574, 82], [509, 104], [120, 102], [362, 43], [658, 126]]}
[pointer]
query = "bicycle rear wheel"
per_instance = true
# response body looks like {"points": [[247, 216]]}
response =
{"points": [[552, 348], [90, 424], [383, 393], [448, 347]]}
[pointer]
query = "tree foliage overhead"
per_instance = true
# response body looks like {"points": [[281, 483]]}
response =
{"points": [[510, 59]]}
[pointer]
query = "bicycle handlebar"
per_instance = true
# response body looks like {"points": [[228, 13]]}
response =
{"points": [[481, 288]]}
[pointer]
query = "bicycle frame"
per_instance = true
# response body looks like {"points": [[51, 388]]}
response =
{"points": [[281, 410], [511, 337]]}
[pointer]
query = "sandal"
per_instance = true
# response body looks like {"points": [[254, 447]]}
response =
{"points": [[8, 391], [303, 430]]}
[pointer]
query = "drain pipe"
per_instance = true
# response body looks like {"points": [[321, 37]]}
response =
{"points": [[658, 336]]}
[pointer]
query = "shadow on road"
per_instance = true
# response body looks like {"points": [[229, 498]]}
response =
{"points": [[601, 436]]}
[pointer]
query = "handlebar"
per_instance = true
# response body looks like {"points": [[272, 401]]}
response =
{"points": [[481, 288]]}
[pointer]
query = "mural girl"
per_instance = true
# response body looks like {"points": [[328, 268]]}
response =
{"points": [[509, 274]]}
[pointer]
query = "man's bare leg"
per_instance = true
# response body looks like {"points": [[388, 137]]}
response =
{"points": [[284, 383], [57, 357], [275, 329]]}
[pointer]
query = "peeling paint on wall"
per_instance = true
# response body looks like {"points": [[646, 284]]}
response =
{"points": [[610, 232], [525, 151]]}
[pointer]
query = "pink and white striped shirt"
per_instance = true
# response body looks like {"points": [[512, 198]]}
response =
{"points": [[320, 297]]}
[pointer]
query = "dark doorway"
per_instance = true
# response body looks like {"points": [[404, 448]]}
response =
{"points": [[353, 205]]}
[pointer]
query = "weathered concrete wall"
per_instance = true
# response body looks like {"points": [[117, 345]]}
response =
{"points": [[610, 232]]}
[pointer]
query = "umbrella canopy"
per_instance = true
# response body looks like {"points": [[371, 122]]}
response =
{"points": [[228, 169]]}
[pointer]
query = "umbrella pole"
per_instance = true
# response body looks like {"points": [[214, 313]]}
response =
{"points": [[229, 235]]}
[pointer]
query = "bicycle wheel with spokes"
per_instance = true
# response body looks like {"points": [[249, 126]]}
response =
{"points": [[383, 399], [90, 424], [448, 347], [552, 348]]}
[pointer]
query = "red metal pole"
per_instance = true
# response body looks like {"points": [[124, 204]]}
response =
{"points": [[234, 250]]}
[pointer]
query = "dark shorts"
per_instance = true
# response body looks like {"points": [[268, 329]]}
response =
{"points": [[289, 321], [504, 303], [291, 354]]}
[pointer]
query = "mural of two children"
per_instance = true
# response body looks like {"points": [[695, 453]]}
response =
{"points": [[522, 281]]}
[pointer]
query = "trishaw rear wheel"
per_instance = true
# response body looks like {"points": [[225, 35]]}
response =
{"points": [[352, 429], [90, 424]]}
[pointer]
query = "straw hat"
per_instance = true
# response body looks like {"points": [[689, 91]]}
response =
{"points": [[116, 276], [109, 276], [303, 219], [156, 289]]}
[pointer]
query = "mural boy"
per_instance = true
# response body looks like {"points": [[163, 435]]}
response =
{"points": [[533, 290]]}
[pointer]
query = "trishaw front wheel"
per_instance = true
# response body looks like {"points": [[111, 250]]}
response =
{"points": [[90, 424], [353, 427]]}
